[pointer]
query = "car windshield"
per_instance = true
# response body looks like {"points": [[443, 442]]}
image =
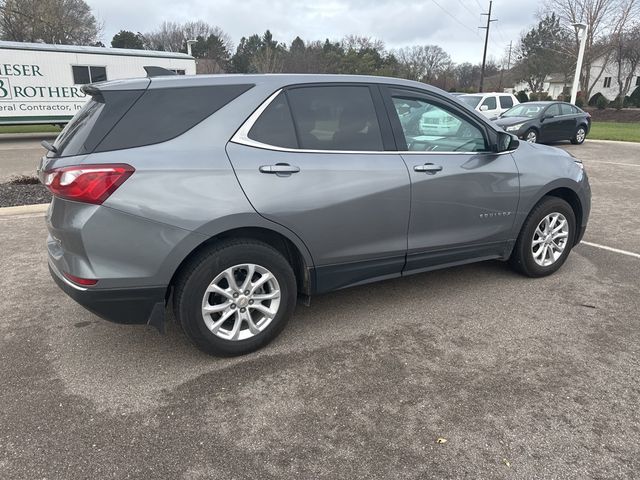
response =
{"points": [[524, 110], [471, 100]]}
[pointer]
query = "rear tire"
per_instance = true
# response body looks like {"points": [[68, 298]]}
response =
{"points": [[221, 311], [546, 238], [580, 135]]}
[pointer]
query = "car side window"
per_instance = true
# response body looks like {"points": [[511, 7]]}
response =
{"points": [[428, 127], [275, 125], [506, 101], [566, 109], [335, 118], [553, 110], [490, 103]]}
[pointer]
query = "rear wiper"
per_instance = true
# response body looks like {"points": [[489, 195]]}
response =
{"points": [[48, 146]]}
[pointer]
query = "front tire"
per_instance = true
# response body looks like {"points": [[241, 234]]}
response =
{"points": [[546, 238], [531, 135], [235, 297], [580, 135]]}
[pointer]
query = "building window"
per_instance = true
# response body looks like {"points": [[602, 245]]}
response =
{"points": [[83, 74], [638, 81], [607, 82], [178, 71]]}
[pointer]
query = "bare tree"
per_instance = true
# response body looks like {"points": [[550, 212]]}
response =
{"points": [[423, 63], [605, 19], [627, 60], [172, 36], [50, 21]]}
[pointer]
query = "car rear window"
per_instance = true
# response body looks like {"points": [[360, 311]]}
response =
{"points": [[114, 120], [567, 109], [335, 118]]}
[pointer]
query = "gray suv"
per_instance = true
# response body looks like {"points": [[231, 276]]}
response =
{"points": [[230, 197]]}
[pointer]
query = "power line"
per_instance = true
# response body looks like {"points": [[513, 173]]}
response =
{"points": [[475, 14], [462, 24]]}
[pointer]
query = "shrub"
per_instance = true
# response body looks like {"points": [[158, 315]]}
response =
{"points": [[579, 102], [522, 96], [602, 102], [593, 101], [634, 98]]}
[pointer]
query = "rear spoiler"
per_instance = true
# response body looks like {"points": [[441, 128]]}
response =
{"points": [[157, 71]]}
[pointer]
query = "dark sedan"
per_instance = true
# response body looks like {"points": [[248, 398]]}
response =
{"points": [[546, 122]]}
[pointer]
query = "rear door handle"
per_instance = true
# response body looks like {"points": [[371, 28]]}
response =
{"points": [[428, 168], [282, 169]]}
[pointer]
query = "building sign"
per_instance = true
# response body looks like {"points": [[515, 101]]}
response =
{"points": [[22, 93]]}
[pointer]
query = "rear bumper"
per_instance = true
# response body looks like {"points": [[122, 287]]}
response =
{"points": [[131, 305]]}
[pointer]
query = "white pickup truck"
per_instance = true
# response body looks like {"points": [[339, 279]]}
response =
{"points": [[491, 104]]}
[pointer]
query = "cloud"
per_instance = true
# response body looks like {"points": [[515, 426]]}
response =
{"points": [[397, 23]]}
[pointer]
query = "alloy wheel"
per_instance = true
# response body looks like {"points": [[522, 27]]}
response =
{"points": [[580, 135], [550, 239], [241, 302], [532, 137]]}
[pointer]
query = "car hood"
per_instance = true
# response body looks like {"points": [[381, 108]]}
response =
{"points": [[508, 121], [546, 149]]}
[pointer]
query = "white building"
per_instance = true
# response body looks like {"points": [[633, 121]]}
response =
{"points": [[41, 83], [556, 83]]}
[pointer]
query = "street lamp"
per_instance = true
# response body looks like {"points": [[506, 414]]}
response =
{"points": [[581, 27], [189, 43]]}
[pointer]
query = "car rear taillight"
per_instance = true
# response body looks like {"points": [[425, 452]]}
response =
{"points": [[87, 183], [85, 282]]}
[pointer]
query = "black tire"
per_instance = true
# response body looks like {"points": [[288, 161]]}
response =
{"points": [[575, 139], [522, 258], [194, 279], [526, 135]]}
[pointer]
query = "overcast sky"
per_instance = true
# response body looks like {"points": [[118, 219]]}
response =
{"points": [[452, 24]]}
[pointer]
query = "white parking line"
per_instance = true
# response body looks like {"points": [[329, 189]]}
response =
{"points": [[614, 163], [611, 249]]}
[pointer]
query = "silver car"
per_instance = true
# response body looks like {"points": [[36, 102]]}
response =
{"points": [[228, 198]]}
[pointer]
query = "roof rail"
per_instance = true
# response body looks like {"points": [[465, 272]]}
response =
{"points": [[157, 71]]}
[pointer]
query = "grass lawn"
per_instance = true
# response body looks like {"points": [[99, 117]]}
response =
{"points": [[28, 129], [627, 132]]}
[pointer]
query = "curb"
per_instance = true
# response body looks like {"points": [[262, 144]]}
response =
{"points": [[23, 209], [622, 142]]}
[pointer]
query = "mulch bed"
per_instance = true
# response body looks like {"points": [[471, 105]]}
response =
{"points": [[23, 191], [626, 115]]}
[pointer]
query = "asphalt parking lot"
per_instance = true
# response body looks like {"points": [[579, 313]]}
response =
{"points": [[527, 379]]}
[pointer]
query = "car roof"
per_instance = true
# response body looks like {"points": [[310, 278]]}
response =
{"points": [[482, 94], [275, 80]]}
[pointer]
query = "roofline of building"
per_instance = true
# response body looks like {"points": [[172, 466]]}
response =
{"points": [[127, 52]]}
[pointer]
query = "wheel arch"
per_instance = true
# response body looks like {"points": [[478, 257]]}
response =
{"points": [[297, 254], [572, 198]]}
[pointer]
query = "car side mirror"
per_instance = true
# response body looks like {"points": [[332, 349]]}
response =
{"points": [[506, 143], [484, 108]]}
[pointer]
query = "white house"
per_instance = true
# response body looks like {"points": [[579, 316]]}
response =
{"points": [[556, 83], [41, 83]]}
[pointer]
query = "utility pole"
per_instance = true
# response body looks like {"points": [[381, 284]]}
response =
{"points": [[486, 42], [581, 27], [508, 66]]}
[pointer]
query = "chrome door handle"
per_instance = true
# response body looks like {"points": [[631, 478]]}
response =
{"points": [[279, 168], [428, 168]]}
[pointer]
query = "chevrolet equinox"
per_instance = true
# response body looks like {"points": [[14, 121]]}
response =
{"points": [[229, 197]]}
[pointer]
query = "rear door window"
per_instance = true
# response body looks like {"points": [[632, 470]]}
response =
{"points": [[506, 101], [335, 118], [566, 109], [553, 110]]}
